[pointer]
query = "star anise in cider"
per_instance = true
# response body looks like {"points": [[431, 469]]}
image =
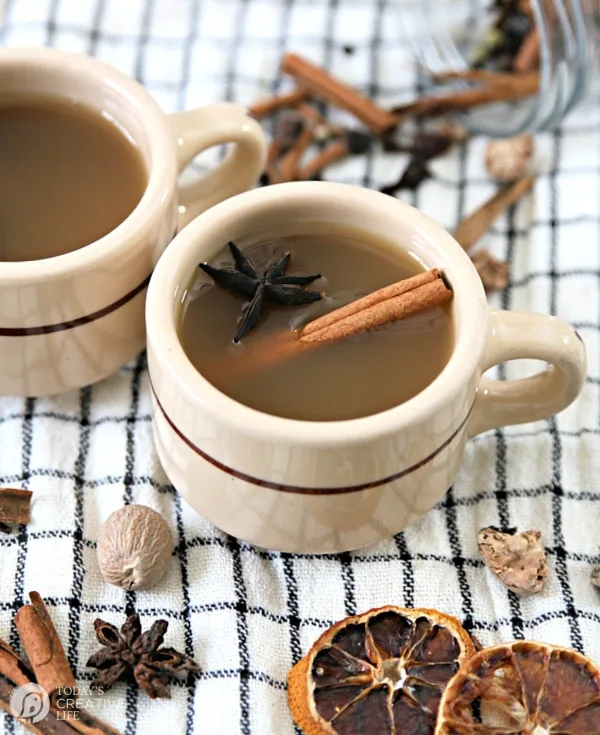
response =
{"points": [[270, 285], [136, 656]]}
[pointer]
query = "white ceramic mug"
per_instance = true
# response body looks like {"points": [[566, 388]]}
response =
{"points": [[317, 487], [73, 319]]}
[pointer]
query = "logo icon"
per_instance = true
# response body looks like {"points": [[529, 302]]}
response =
{"points": [[29, 702]]}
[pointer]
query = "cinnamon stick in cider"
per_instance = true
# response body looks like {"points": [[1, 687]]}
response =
{"points": [[358, 313], [384, 306]]}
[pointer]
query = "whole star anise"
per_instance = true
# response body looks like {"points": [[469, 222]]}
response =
{"points": [[136, 656], [272, 285]]}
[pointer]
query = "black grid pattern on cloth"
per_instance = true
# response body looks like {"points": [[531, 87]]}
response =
{"points": [[244, 613]]}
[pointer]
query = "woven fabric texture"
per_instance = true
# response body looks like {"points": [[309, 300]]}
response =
{"points": [[247, 615]]}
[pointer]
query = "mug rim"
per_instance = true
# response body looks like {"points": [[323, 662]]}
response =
{"points": [[162, 172], [170, 280]]}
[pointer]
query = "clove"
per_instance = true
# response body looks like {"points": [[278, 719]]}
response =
{"points": [[424, 146], [411, 178]]}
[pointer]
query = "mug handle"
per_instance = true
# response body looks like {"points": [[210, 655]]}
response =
{"points": [[199, 129], [511, 336]]}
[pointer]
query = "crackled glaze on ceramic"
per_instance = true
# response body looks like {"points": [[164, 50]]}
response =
{"points": [[86, 308], [317, 487]]}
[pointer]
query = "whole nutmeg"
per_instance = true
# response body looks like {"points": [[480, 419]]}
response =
{"points": [[509, 159], [134, 548]]}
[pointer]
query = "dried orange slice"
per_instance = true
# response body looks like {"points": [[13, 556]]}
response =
{"points": [[523, 687], [379, 673]]}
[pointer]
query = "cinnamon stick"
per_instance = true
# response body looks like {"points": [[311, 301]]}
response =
{"points": [[15, 672], [15, 505], [88, 724], [43, 647], [323, 129], [521, 85], [286, 168], [395, 290], [268, 105], [486, 76], [327, 88], [50, 725], [384, 306], [13, 667], [473, 227], [273, 152], [335, 151]]}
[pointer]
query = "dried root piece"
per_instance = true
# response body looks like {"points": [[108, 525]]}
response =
{"points": [[517, 559], [494, 273], [522, 687], [380, 672], [595, 579], [508, 160]]}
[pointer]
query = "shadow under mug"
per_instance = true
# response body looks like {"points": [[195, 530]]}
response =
{"points": [[316, 487], [73, 319]]}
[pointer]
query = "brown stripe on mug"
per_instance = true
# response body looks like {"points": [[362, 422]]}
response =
{"points": [[80, 321], [298, 489]]}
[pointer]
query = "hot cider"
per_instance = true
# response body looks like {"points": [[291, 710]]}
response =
{"points": [[326, 269], [68, 176]]}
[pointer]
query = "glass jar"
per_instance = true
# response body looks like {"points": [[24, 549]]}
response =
{"points": [[446, 34]]}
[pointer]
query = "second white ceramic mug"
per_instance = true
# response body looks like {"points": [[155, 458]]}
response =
{"points": [[332, 486], [73, 319]]}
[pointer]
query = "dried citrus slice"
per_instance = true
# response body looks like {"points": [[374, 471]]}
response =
{"points": [[523, 687], [379, 673]]}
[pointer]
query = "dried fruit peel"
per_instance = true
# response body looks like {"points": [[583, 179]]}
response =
{"points": [[528, 687], [509, 159], [373, 674], [517, 559]]}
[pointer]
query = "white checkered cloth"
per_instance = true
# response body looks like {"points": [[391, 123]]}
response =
{"points": [[244, 614]]}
